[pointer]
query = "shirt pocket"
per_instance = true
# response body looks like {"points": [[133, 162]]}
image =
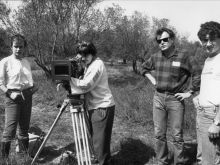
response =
{"points": [[175, 68]]}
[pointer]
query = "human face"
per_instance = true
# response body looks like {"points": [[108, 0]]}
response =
{"points": [[18, 47], [211, 45], [87, 59], [164, 41]]}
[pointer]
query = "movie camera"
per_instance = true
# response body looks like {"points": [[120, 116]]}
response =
{"points": [[63, 70]]}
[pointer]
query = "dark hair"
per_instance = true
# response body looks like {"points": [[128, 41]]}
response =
{"points": [[85, 48], [163, 29], [18, 36], [211, 28]]}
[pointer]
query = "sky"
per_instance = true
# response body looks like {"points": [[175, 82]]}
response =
{"points": [[185, 15]]}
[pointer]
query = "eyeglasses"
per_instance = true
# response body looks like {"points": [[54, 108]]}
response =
{"points": [[164, 40]]}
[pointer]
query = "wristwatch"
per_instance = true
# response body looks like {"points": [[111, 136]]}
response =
{"points": [[216, 122]]}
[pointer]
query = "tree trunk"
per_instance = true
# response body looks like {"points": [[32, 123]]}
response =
{"points": [[134, 65]]}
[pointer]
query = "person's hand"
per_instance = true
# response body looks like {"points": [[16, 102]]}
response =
{"points": [[64, 84], [196, 102], [14, 95], [214, 131], [182, 96]]}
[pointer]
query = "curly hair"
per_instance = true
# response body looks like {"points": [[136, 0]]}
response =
{"points": [[163, 29], [211, 28], [85, 48]]}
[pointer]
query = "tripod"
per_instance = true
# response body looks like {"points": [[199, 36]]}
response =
{"points": [[78, 115]]}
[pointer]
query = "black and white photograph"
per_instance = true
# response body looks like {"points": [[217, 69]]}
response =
{"points": [[109, 82]]}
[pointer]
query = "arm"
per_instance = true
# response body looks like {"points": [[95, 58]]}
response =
{"points": [[195, 71], [151, 78], [146, 68], [90, 80], [214, 129], [2, 77], [12, 95]]}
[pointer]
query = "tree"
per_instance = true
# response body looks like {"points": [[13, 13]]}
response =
{"points": [[132, 37], [52, 27]]}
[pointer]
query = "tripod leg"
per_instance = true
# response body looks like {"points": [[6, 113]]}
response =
{"points": [[78, 136], [86, 138], [84, 134], [75, 137], [63, 107]]}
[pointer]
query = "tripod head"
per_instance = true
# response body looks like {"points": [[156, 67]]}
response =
{"points": [[76, 100]]}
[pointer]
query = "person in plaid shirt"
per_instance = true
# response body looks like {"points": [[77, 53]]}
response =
{"points": [[173, 70]]}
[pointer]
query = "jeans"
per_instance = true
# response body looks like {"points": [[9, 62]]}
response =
{"points": [[17, 113], [210, 149], [168, 111], [101, 121]]}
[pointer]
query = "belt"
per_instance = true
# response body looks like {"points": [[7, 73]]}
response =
{"points": [[165, 92], [22, 92], [18, 90], [211, 107]]}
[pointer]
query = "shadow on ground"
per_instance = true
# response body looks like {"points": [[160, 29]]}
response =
{"points": [[190, 152], [132, 152], [50, 153]]}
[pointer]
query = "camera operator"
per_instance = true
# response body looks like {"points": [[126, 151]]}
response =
{"points": [[98, 99]]}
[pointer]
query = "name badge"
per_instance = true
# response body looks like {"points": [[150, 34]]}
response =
{"points": [[176, 63]]}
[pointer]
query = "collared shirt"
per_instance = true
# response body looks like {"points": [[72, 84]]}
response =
{"points": [[95, 86], [15, 73], [173, 73], [210, 82]]}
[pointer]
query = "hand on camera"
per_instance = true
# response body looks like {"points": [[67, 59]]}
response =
{"points": [[63, 83]]}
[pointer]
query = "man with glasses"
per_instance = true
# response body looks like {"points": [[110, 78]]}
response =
{"points": [[173, 69], [208, 100]]}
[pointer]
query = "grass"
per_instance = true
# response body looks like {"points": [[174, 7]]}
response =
{"points": [[132, 137]]}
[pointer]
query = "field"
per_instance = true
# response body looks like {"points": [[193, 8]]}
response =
{"points": [[132, 138]]}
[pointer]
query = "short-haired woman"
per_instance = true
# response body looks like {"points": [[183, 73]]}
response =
{"points": [[17, 84]]}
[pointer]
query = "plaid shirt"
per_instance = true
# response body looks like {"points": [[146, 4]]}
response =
{"points": [[173, 73]]}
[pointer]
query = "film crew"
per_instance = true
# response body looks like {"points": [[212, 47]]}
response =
{"points": [[173, 69], [98, 99], [208, 100], [17, 84]]}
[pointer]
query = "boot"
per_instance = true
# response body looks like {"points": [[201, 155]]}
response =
{"points": [[23, 145], [5, 148]]}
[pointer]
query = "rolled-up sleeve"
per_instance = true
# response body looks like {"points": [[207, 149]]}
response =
{"points": [[147, 66]]}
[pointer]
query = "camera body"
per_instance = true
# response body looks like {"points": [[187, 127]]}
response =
{"points": [[65, 69]]}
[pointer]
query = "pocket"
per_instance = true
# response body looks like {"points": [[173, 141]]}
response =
{"points": [[175, 71], [209, 113], [99, 114]]}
